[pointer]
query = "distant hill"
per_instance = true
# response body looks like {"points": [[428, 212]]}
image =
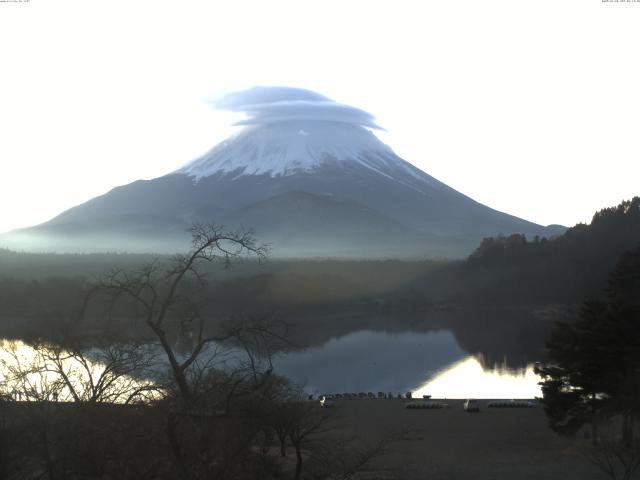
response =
{"points": [[311, 186], [564, 269]]}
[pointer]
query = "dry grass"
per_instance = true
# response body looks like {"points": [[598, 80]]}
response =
{"points": [[453, 444]]}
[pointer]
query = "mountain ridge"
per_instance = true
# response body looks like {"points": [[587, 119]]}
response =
{"points": [[392, 209]]}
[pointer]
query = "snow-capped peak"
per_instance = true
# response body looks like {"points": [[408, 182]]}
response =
{"points": [[285, 148]]}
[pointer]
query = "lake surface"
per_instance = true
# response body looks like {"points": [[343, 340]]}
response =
{"points": [[426, 363]]}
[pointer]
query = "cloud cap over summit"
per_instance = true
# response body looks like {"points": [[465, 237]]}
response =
{"points": [[265, 105]]}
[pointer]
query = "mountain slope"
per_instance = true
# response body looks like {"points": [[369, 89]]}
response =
{"points": [[303, 224], [311, 187]]}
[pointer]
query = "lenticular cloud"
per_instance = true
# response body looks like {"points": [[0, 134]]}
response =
{"points": [[265, 105]]}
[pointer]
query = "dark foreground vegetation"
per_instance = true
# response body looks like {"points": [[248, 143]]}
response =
{"points": [[537, 276], [594, 375], [505, 298], [253, 430], [147, 367], [37, 289], [513, 271], [147, 388], [501, 302]]}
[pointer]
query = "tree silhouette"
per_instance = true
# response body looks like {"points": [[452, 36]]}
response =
{"points": [[595, 372], [574, 386], [156, 291]]}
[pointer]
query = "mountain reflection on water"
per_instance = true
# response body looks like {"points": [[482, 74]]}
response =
{"points": [[441, 362], [468, 379], [430, 363]]}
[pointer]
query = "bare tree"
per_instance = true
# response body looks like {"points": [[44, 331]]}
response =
{"points": [[49, 372], [9, 455], [308, 423], [614, 455], [158, 293], [53, 392], [220, 405], [25, 380], [26, 377], [109, 373]]}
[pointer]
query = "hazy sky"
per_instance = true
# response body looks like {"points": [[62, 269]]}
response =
{"points": [[531, 107]]}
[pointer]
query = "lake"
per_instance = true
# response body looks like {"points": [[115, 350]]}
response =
{"points": [[425, 363]]}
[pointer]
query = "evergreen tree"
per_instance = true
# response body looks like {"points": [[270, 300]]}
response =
{"points": [[574, 386], [595, 370]]}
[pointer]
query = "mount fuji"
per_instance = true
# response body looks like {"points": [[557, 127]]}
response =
{"points": [[307, 174]]}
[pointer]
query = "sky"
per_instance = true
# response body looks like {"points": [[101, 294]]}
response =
{"points": [[530, 107]]}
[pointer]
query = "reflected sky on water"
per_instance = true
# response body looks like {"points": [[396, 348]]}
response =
{"points": [[57, 375], [424, 362], [468, 379]]}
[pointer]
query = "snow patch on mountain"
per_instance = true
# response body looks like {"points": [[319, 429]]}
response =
{"points": [[287, 148]]}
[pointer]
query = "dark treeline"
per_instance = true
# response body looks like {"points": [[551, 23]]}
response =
{"points": [[503, 300], [508, 271], [592, 378], [500, 302], [38, 291], [376, 275], [503, 272], [39, 266]]}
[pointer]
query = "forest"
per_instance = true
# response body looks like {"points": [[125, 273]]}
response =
{"points": [[512, 270], [509, 290], [162, 327]]}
